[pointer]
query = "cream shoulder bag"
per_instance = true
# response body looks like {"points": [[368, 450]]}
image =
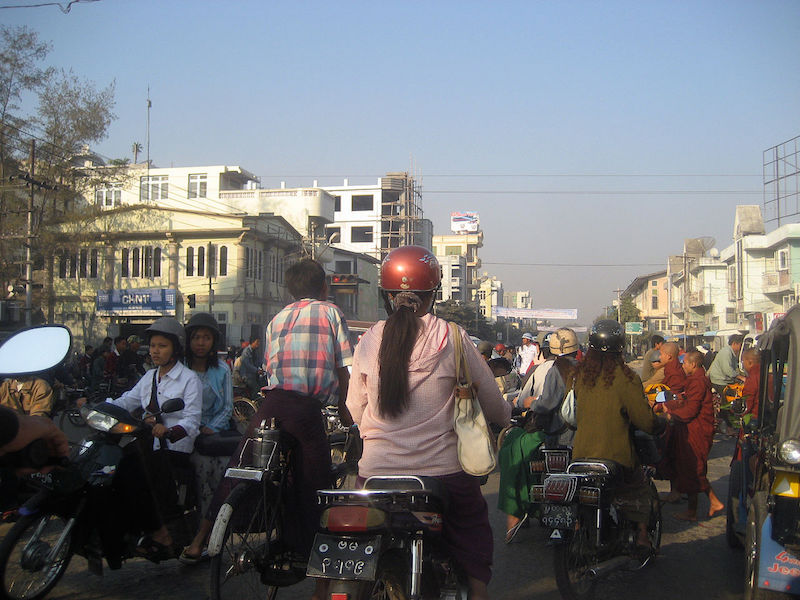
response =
{"points": [[476, 451]]}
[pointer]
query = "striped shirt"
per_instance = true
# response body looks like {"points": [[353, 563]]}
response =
{"points": [[306, 342]]}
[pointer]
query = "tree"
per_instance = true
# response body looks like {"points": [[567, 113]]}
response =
{"points": [[627, 309], [457, 312], [136, 148]]}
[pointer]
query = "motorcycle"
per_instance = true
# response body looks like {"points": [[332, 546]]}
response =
{"points": [[385, 541], [77, 508]]}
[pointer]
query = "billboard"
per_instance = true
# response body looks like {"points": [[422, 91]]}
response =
{"points": [[536, 313], [139, 302], [464, 222]]}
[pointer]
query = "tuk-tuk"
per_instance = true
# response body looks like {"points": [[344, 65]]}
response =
{"points": [[764, 487]]}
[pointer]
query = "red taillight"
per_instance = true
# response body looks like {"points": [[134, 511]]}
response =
{"points": [[352, 518], [556, 460], [339, 596], [558, 488]]}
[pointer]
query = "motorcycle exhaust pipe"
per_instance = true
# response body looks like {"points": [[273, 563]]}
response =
{"points": [[606, 567]]}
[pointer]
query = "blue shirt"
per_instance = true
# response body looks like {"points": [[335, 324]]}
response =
{"points": [[217, 397]]}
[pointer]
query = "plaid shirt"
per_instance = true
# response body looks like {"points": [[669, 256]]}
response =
{"points": [[306, 342]]}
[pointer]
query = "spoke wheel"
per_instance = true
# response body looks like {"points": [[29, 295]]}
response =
{"points": [[572, 562], [243, 411], [28, 570]]}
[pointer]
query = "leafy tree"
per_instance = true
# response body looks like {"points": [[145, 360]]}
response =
{"points": [[628, 311], [460, 313], [136, 148]]}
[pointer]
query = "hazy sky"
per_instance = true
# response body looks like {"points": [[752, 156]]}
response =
{"points": [[584, 133]]}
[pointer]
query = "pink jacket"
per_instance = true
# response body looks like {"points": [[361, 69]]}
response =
{"points": [[421, 441]]}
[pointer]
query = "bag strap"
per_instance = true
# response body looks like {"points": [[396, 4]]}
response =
{"points": [[462, 369]]}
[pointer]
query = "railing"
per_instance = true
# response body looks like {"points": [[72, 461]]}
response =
{"points": [[776, 280]]}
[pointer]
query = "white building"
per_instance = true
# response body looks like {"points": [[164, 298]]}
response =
{"points": [[454, 278]]}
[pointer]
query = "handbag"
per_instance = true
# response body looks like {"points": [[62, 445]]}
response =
{"points": [[476, 451], [569, 407]]}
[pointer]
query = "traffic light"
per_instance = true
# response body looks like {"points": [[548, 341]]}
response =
{"points": [[192, 300], [343, 279]]}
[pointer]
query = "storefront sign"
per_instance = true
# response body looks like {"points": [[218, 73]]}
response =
{"points": [[141, 302]]}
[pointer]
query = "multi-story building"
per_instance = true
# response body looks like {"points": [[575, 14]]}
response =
{"points": [[373, 219], [466, 245], [649, 294], [454, 281], [489, 294], [519, 299]]}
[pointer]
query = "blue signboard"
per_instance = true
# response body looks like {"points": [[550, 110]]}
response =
{"points": [[141, 302]]}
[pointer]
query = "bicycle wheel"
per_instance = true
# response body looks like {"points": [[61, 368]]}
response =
{"points": [[243, 411], [252, 562], [27, 570]]}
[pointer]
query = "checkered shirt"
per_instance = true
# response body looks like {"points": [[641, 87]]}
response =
{"points": [[306, 342]]}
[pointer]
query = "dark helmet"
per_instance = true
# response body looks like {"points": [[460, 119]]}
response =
{"points": [[170, 328], [410, 268], [607, 336], [203, 319]]}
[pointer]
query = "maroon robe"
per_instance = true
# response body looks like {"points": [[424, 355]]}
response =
{"points": [[674, 377], [692, 434]]}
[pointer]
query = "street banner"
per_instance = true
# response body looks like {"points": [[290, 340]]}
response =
{"points": [[550, 329], [568, 314], [136, 302], [464, 221]]}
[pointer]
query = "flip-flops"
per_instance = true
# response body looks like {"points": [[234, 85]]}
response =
{"points": [[188, 559], [512, 533], [152, 550]]}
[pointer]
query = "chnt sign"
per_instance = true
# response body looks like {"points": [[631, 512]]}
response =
{"points": [[142, 302]]}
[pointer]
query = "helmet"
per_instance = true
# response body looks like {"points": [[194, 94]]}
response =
{"points": [[410, 268], [203, 319], [527, 336], [485, 348], [500, 348], [546, 340], [169, 327], [563, 341], [607, 336]]}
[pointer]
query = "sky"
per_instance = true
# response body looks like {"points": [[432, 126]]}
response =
{"points": [[591, 137]]}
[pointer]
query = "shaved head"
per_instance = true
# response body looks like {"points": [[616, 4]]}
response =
{"points": [[670, 348], [694, 357]]}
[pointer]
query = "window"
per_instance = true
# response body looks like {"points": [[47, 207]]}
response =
{"points": [[273, 267], [223, 261], [153, 188], [654, 303], [198, 185], [201, 261], [783, 260], [84, 263], [94, 259], [788, 302], [62, 265], [455, 271], [260, 270], [365, 202], [452, 250], [108, 197], [147, 261], [125, 264], [730, 315], [654, 284], [740, 272], [156, 262], [343, 266], [337, 203], [189, 261], [212, 260], [135, 262], [361, 234], [334, 234]]}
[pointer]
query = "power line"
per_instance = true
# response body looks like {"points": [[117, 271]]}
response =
{"points": [[598, 192], [516, 264], [64, 9]]}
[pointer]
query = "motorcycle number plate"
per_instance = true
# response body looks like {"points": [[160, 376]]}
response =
{"points": [[556, 516], [334, 557]]}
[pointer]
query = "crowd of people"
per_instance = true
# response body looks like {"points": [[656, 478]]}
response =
{"points": [[398, 387]]}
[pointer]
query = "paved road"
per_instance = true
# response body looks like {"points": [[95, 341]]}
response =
{"points": [[695, 563]]}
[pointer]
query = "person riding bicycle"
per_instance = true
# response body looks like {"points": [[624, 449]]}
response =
{"points": [[307, 353], [610, 399], [402, 395], [174, 432]]}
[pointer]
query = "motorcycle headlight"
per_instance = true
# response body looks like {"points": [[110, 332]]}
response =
{"points": [[100, 421], [789, 452]]}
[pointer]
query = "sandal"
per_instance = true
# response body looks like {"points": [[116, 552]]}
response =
{"points": [[512, 533], [188, 559], [152, 550]]}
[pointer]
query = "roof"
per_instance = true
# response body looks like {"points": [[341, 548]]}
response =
{"points": [[639, 281]]}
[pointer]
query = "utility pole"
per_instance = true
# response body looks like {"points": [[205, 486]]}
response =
{"points": [[29, 244], [211, 263]]}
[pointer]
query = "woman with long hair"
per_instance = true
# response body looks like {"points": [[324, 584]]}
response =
{"points": [[402, 396], [610, 399]]}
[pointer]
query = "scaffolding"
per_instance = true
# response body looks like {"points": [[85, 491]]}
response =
{"points": [[402, 221], [782, 182]]}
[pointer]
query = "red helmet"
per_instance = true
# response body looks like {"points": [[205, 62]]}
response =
{"points": [[500, 348], [410, 268]]}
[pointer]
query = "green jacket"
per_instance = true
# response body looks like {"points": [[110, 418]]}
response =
{"points": [[605, 415]]}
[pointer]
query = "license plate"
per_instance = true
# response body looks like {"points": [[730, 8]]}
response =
{"points": [[557, 516], [335, 557]]}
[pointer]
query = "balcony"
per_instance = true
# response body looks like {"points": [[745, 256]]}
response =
{"points": [[773, 282], [700, 298]]}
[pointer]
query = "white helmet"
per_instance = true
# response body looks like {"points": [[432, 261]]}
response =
{"points": [[563, 341]]}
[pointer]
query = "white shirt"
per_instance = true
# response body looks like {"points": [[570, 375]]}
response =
{"points": [[179, 382], [527, 355], [535, 384]]}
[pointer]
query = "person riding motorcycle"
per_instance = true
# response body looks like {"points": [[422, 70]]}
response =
{"points": [[174, 432], [402, 398], [610, 399]]}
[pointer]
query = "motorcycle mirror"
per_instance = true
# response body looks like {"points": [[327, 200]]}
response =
{"points": [[35, 350], [172, 405], [500, 366], [661, 396]]}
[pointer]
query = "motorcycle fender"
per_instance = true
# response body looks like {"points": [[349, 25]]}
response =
{"points": [[778, 569], [218, 531], [559, 536]]}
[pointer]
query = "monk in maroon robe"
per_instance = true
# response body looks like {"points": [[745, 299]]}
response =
{"points": [[674, 376], [692, 414], [751, 361]]}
